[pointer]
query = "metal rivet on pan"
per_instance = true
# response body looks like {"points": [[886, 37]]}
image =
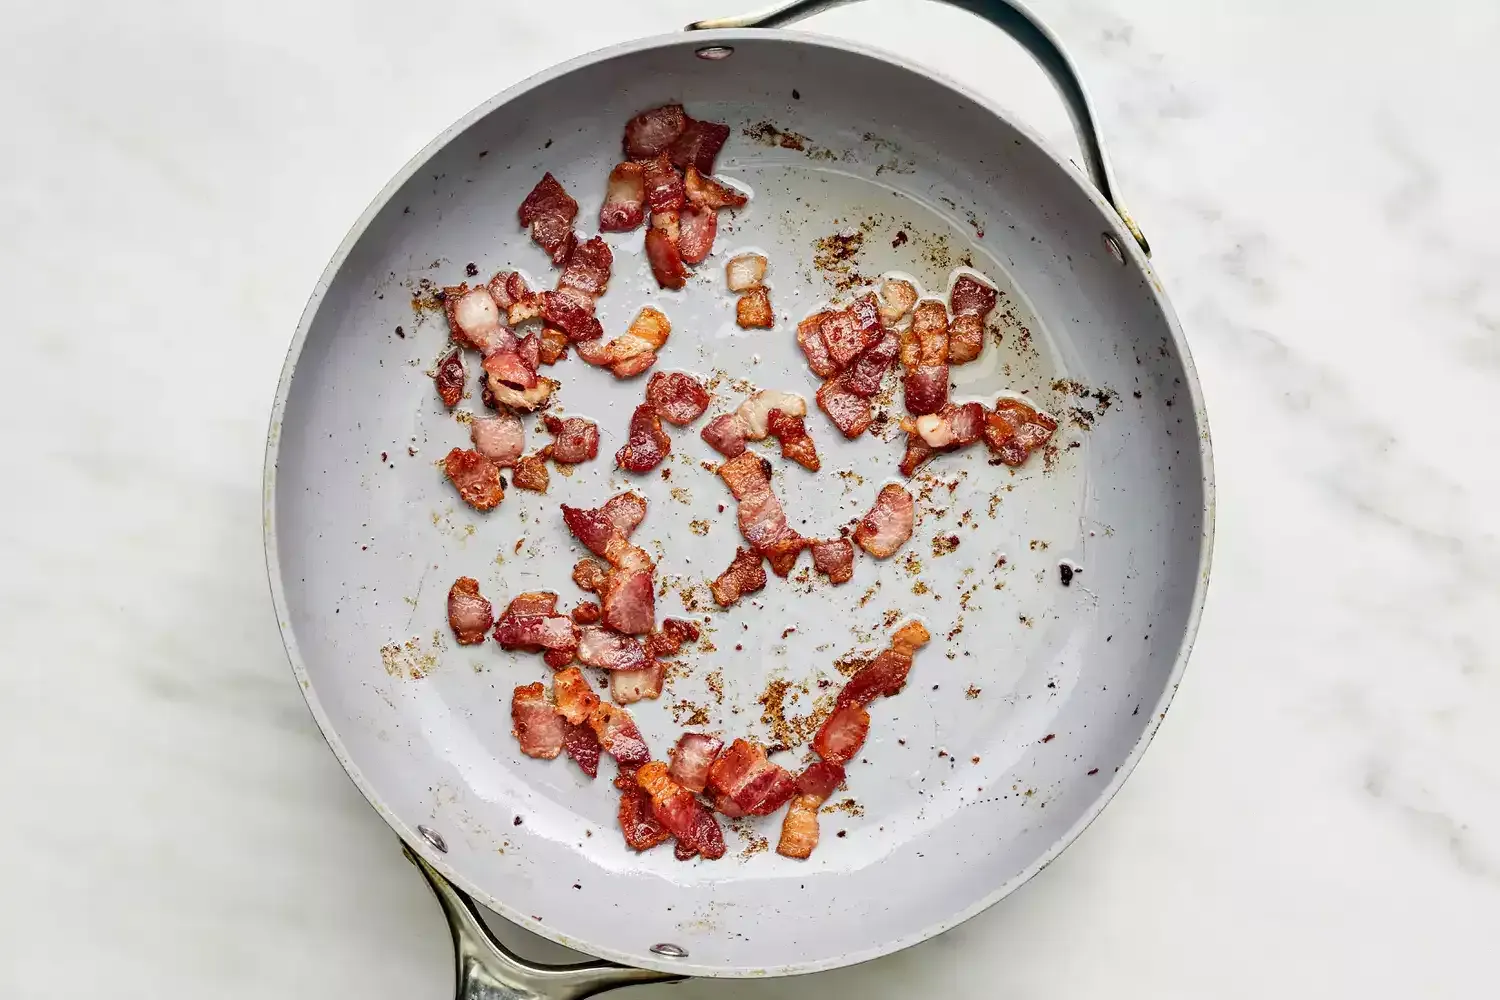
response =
{"points": [[1113, 246], [715, 52], [670, 950], [434, 838]]}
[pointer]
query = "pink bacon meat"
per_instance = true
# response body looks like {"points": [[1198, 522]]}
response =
{"points": [[549, 211], [745, 783], [624, 205], [647, 444], [761, 518], [574, 439], [677, 397], [538, 727], [889, 523], [691, 759], [834, 559], [698, 144], [531, 624], [469, 614], [678, 810]]}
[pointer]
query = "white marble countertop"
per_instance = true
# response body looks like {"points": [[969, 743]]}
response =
{"points": [[1320, 816]]}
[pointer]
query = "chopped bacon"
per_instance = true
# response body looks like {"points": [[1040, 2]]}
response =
{"points": [[574, 439], [664, 188], [954, 426], [627, 592], [799, 830], [924, 354], [671, 637], [710, 192], [810, 339], [666, 261], [677, 809], [532, 602], [965, 339], [926, 388], [586, 612], [594, 528], [538, 727], [849, 411], [677, 397], [474, 318], [476, 478], [629, 686], [696, 232], [587, 267], [524, 310], [588, 574], [820, 778], [886, 674], [625, 511], [745, 272], [834, 559], [896, 300], [971, 297], [507, 288], [469, 614], [691, 759], [888, 524], [509, 369], [652, 132], [580, 743], [618, 734], [576, 699], [728, 433], [917, 454], [1014, 430], [521, 399], [868, 370], [572, 312], [747, 783], [698, 145], [552, 345], [647, 445], [534, 633], [529, 350], [530, 473], [753, 310], [637, 821], [549, 211], [761, 517], [629, 599], [449, 377], [624, 205], [634, 350], [668, 222], [842, 734], [725, 434], [910, 637], [796, 443], [744, 576], [848, 331], [598, 647]]}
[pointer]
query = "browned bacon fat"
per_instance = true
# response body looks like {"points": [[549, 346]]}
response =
{"points": [[576, 699], [834, 559], [476, 319], [574, 439], [896, 300], [678, 810], [710, 192], [799, 829], [629, 686], [888, 524], [652, 132], [954, 426], [745, 783], [469, 614], [1014, 430], [751, 421], [449, 377], [588, 574], [624, 205], [647, 444], [537, 726], [677, 397], [745, 575], [691, 759], [476, 478], [753, 310], [549, 211], [530, 473], [745, 272], [586, 612]]}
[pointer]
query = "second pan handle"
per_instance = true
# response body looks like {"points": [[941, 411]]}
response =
{"points": [[1017, 22]]}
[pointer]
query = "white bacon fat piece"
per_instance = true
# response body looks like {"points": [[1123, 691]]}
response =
{"points": [[501, 438]]}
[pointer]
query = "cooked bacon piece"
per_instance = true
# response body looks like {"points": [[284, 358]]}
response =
{"points": [[745, 272], [534, 633], [849, 411], [926, 388], [634, 350], [796, 443], [886, 674], [529, 350], [618, 735], [728, 433], [698, 145], [1015, 430], [574, 439], [598, 647], [474, 318], [587, 267], [626, 593], [507, 288], [476, 478], [924, 354], [552, 347], [647, 445], [669, 222], [593, 528], [572, 312], [697, 228], [538, 727], [586, 612], [624, 205], [530, 399], [509, 369], [530, 473], [588, 574], [532, 602], [955, 426], [524, 310], [971, 297], [848, 331], [711, 193], [761, 517], [666, 261], [637, 821], [549, 211], [896, 300], [965, 339], [677, 809], [799, 830], [834, 559], [671, 637], [677, 397], [744, 576], [820, 778], [691, 759], [843, 734], [888, 524], [868, 370], [651, 133], [910, 637], [725, 434], [745, 783], [630, 686], [576, 699], [625, 511], [449, 377], [810, 339], [917, 454], [629, 600], [753, 310], [469, 614], [664, 187], [580, 743]]}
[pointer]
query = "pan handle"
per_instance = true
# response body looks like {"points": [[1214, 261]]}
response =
{"points": [[487, 970], [1017, 22]]}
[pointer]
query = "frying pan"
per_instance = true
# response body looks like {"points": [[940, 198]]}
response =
{"points": [[1034, 700]]}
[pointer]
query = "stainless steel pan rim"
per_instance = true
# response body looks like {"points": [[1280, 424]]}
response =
{"points": [[1134, 257]]}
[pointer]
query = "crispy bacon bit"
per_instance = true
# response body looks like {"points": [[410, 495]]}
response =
{"points": [[450, 378], [549, 211], [799, 830], [955, 426], [648, 444], [810, 339], [671, 637], [1014, 430], [518, 398], [744, 576], [576, 699], [664, 188], [469, 614], [552, 346], [524, 310], [537, 632], [509, 369], [625, 511], [888, 524], [618, 735], [924, 354], [624, 205], [910, 637], [866, 374], [697, 228], [588, 574], [761, 517], [666, 261], [588, 267], [634, 350], [572, 312], [691, 759], [849, 411], [529, 350], [538, 727], [598, 647], [848, 331], [698, 145], [652, 132], [594, 529], [530, 473], [574, 439], [886, 674], [745, 272], [476, 478], [630, 686], [965, 339], [725, 434], [507, 288], [753, 310], [896, 300], [629, 599], [971, 297], [926, 388], [637, 821], [669, 222], [745, 783], [820, 778], [532, 602], [580, 743], [680, 812], [917, 454], [710, 192], [796, 443], [677, 397], [586, 612], [843, 734], [834, 559]]}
